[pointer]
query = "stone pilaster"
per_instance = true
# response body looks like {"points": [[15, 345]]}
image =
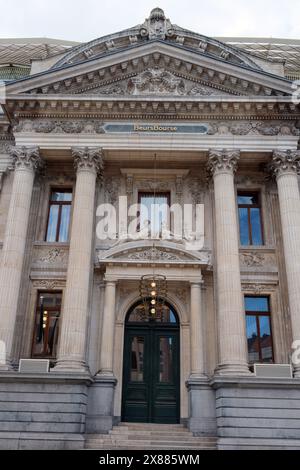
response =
{"points": [[107, 339], [196, 326], [26, 161], [89, 164], [230, 306], [285, 166]]}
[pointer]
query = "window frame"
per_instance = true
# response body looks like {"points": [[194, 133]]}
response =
{"points": [[259, 314], [156, 194], [36, 313], [60, 204], [241, 192]]}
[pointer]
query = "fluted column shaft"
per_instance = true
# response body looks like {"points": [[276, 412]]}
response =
{"points": [[76, 297], [286, 167], [26, 161], [196, 326], [107, 338], [231, 313]]}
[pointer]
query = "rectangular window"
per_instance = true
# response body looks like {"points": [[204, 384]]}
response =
{"points": [[59, 216], [154, 213], [46, 325], [259, 329], [250, 218]]}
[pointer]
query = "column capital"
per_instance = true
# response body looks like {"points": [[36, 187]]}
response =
{"points": [[88, 159], [285, 162], [26, 158], [222, 161]]}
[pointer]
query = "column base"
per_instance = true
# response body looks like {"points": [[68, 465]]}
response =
{"points": [[6, 368], [100, 415], [69, 365], [202, 405], [232, 370], [297, 372]]}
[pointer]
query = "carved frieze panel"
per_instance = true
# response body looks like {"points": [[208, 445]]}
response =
{"points": [[47, 257], [92, 126], [256, 260], [49, 284]]}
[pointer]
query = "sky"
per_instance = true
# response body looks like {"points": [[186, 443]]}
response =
{"points": [[84, 20]]}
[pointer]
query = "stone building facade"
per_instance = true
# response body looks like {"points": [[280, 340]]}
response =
{"points": [[85, 129]]}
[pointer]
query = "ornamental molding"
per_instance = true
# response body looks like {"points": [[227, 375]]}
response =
{"points": [[142, 252], [285, 162], [220, 161], [88, 158], [256, 288], [5, 146], [26, 158]]}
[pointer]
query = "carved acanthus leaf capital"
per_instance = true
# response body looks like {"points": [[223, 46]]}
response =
{"points": [[88, 158], [223, 161], [285, 161], [26, 158]]}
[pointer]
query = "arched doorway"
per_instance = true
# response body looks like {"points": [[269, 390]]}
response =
{"points": [[151, 370]]}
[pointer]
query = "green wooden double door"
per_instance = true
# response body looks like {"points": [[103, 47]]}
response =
{"points": [[151, 375]]}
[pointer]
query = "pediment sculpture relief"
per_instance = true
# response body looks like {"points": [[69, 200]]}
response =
{"points": [[157, 81]]}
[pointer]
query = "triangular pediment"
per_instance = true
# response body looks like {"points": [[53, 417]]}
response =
{"points": [[155, 68]]}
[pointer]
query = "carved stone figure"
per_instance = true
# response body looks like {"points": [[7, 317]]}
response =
{"points": [[157, 26], [156, 81]]}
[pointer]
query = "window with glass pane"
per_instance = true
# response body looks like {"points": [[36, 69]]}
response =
{"points": [[259, 330], [250, 219], [154, 214], [166, 359], [46, 328], [137, 359], [59, 216]]}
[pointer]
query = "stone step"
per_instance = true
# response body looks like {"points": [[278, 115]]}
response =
{"points": [[151, 426], [159, 437], [149, 436], [143, 444], [149, 446]]}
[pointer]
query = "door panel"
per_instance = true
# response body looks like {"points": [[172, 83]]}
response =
{"points": [[165, 383], [136, 371], [151, 374]]}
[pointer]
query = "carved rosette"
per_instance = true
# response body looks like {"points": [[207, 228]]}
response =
{"points": [[284, 162], [26, 158], [88, 159], [222, 161]]}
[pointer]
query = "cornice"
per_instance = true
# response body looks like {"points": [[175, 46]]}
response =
{"points": [[166, 107]]}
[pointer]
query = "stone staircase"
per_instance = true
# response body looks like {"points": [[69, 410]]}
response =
{"points": [[140, 436]]}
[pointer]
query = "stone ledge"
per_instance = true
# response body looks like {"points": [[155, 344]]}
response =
{"points": [[50, 377], [253, 382]]}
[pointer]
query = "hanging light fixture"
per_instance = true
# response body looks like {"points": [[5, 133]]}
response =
{"points": [[153, 287], [153, 291]]}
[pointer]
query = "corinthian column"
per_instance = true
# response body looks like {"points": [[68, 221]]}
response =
{"points": [[197, 336], [26, 162], [286, 167], [107, 338], [231, 314], [89, 164]]}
